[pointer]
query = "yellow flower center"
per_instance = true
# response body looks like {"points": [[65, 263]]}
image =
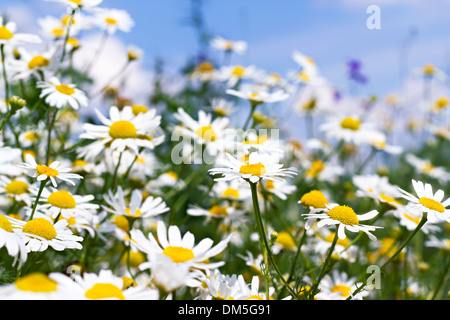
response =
{"points": [[136, 214], [259, 140], [303, 76], [342, 242], [270, 185], [111, 21], [62, 199], [122, 129], [238, 71], [179, 254], [66, 19], [428, 69], [16, 187], [389, 199], [255, 297], [42, 169], [65, 89], [256, 169], [79, 163], [350, 124], [428, 167], [441, 103], [76, 1], [5, 224], [5, 34], [343, 289], [122, 223], [218, 211], [40, 227], [58, 32], [104, 291], [38, 62], [344, 214], [412, 218], [231, 193], [314, 199], [285, 240], [207, 133], [316, 167], [128, 282], [205, 67], [432, 204], [137, 109], [36, 282]]}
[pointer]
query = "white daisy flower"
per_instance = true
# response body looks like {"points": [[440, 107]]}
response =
{"points": [[9, 160], [31, 62], [339, 282], [52, 172], [427, 202], [54, 28], [204, 71], [343, 217], [105, 286], [17, 189], [378, 188], [112, 20], [258, 97], [137, 206], [323, 241], [309, 71], [179, 249], [74, 4], [281, 189], [435, 242], [40, 233], [350, 130], [321, 171], [221, 286], [37, 286], [240, 47], [231, 190], [258, 166], [8, 35], [12, 242], [223, 108], [423, 166], [59, 95], [411, 219], [233, 74], [61, 202], [123, 130], [261, 142], [224, 212]]}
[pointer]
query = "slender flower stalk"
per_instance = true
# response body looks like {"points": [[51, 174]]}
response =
{"points": [[67, 34], [41, 188], [5, 77]]}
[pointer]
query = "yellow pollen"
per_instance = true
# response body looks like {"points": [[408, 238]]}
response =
{"points": [[205, 67], [231, 193], [344, 214], [256, 169], [137, 109], [135, 259], [350, 124], [62, 199], [5, 34], [343, 289], [178, 254], [49, 172], [136, 214], [76, 1], [238, 71], [110, 21], [5, 224], [207, 133], [79, 163], [122, 129], [36, 282], [58, 32], [218, 211], [316, 168], [16, 187], [122, 223], [31, 136], [38, 62], [412, 218], [259, 140], [65, 89], [432, 204], [104, 291], [285, 240], [40, 227], [314, 199]]}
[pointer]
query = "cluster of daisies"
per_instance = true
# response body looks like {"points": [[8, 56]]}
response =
{"points": [[110, 199]]}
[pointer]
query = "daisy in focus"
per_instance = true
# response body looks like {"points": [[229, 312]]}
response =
{"points": [[52, 172], [122, 131], [40, 233], [343, 217], [179, 249], [257, 167], [12, 242], [427, 202], [59, 95]]}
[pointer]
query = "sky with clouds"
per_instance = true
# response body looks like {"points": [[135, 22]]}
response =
{"points": [[330, 31]]}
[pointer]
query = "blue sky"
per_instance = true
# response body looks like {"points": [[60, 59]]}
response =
{"points": [[330, 31]]}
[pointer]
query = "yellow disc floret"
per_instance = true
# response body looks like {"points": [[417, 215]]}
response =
{"points": [[351, 124], [344, 214], [62, 199], [16, 187], [40, 227], [36, 282], [65, 89], [5, 34], [218, 211], [5, 224], [38, 62], [104, 291], [314, 199], [178, 254], [49, 172], [207, 133], [256, 169], [122, 129], [432, 204]]}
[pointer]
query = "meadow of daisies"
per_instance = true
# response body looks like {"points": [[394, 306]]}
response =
{"points": [[201, 193]]}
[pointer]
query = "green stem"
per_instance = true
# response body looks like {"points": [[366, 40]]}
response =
{"points": [[263, 239], [115, 172], [441, 280], [67, 35], [41, 188], [324, 266], [419, 226], [50, 123], [5, 77]]}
